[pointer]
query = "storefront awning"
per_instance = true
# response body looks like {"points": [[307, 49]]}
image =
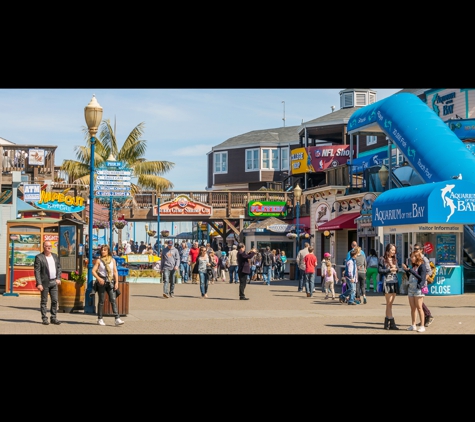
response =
{"points": [[344, 221], [449, 202]]}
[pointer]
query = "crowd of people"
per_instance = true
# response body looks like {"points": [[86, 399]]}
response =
{"points": [[205, 265]]}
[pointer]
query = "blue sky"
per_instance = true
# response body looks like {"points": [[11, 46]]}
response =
{"points": [[181, 125]]}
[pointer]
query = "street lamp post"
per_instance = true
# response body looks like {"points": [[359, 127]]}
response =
{"points": [[93, 116], [158, 223], [297, 196]]}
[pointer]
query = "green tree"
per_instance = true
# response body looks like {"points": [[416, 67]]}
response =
{"points": [[132, 154]]}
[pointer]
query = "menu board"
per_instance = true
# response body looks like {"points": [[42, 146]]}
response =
{"points": [[446, 249]]}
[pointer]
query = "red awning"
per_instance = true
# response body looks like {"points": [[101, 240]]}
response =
{"points": [[345, 221]]}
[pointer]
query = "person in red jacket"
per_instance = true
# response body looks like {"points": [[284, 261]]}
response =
{"points": [[310, 261], [194, 252]]}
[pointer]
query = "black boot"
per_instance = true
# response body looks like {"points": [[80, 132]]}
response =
{"points": [[392, 324], [386, 323]]}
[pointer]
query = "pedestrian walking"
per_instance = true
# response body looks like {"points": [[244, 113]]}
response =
{"points": [[169, 265], [310, 261], [107, 280]]}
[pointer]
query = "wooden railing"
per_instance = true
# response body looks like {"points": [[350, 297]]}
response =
{"points": [[216, 199]]}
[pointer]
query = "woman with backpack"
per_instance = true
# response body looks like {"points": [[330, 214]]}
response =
{"points": [[372, 270]]}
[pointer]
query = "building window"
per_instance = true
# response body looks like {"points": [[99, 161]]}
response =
{"points": [[220, 162], [270, 159], [252, 159], [284, 158], [371, 140]]}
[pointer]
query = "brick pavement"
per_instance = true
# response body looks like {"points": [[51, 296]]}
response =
{"points": [[274, 309]]}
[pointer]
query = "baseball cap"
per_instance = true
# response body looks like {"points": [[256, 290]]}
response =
{"points": [[170, 242], [223, 253], [326, 255]]}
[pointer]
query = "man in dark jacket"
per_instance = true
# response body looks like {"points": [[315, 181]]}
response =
{"points": [[48, 275], [244, 269]]}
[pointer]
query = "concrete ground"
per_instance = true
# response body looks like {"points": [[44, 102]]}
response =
{"points": [[274, 309]]}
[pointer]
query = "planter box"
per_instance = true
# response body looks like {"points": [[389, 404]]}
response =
{"points": [[156, 280]]}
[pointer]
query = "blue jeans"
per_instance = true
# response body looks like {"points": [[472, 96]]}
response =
{"points": [[350, 291], [203, 283], [310, 282], [267, 273], [168, 281], [282, 271], [233, 274], [184, 271], [302, 280]]}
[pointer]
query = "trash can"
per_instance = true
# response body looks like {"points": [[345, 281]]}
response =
{"points": [[292, 266]]}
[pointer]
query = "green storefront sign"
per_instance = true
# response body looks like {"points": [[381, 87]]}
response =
{"points": [[267, 209]]}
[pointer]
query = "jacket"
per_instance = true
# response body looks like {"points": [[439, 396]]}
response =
{"points": [[243, 262], [41, 269], [170, 258], [420, 274], [300, 258], [385, 272]]}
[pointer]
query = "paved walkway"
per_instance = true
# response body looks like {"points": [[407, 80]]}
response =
{"points": [[274, 309]]}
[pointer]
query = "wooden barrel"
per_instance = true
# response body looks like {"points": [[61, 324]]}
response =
{"points": [[122, 301], [71, 296]]}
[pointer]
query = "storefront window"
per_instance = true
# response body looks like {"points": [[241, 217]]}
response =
{"points": [[283, 246]]}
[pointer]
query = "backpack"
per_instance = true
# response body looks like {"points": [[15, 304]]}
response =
{"points": [[373, 261], [267, 259]]}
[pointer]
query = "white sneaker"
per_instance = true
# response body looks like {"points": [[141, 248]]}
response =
{"points": [[101, 322], [412, 328], [421, 329], [118, 321]]}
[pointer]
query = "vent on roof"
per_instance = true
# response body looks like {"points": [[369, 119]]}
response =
{"points": [[356, 98]]}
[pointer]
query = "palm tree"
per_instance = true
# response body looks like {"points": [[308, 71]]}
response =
{"points": [[132, 153]]}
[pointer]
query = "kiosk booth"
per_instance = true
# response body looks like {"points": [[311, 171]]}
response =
{"points": [[31, 230], [433, 215]]}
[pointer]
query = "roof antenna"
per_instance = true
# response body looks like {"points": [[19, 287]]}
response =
{"points": [[283, 118]]}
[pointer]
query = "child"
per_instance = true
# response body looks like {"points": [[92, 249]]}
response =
{"points": [[329, 276]]}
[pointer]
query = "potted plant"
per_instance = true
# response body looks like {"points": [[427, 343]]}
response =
{"points": [[100, 224], [120, 224], [165, 233], [71, 291], [291, 235]]}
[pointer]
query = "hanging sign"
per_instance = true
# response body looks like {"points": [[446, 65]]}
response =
{"points": [[56, 201], [183, 206]]}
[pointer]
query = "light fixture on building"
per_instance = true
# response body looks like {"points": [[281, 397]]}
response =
{"points": [[383, 174], [328, 234]]}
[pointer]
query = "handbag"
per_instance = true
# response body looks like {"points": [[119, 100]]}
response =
{"points": [[117, 292], [425, 290]]}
